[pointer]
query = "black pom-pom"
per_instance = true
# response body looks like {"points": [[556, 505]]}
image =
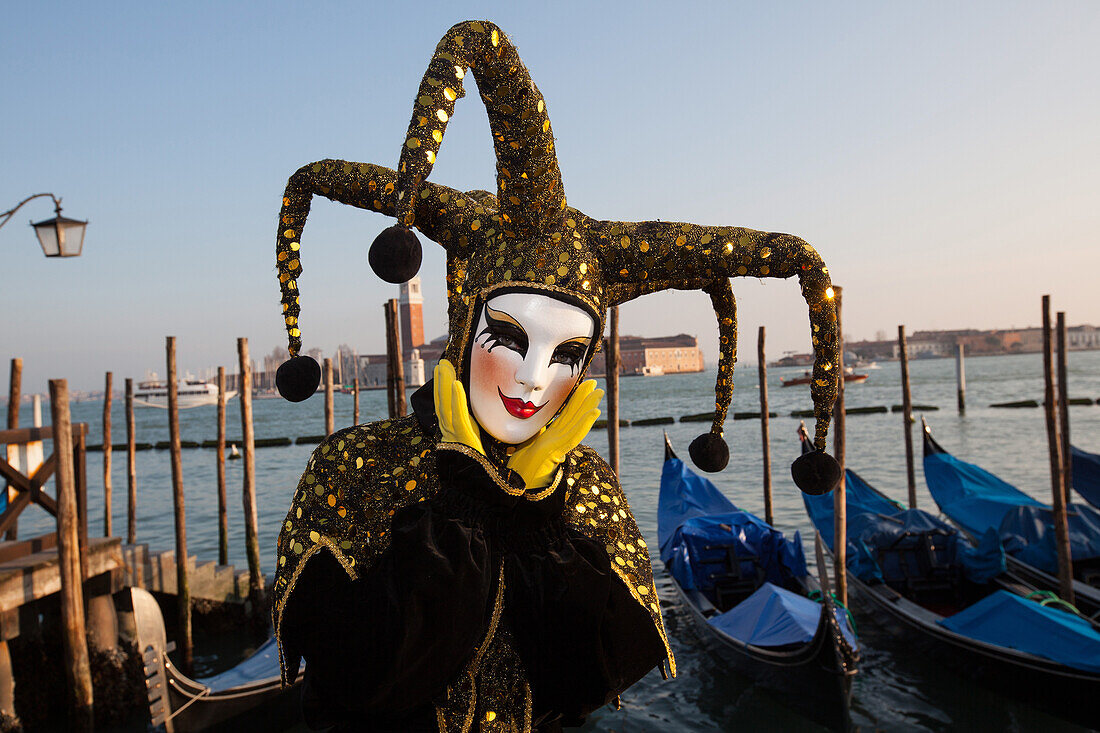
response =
{"points": [[395, 254], [298, 377], [816, 472], [709, 452]]}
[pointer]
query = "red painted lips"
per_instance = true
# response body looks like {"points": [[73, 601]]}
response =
{"points": [[517, 407]]}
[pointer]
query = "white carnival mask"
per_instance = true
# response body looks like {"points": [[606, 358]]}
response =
{"points": [[525, 360]]}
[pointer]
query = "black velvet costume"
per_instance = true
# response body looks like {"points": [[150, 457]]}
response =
{"points": [[426, 593]]}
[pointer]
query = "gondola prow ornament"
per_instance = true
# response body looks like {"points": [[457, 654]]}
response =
{"points": [[472, 513]]}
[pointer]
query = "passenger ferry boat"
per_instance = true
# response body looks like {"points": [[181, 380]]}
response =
{"points": [[191, 392]]}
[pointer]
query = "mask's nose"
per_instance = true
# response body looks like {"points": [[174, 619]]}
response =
{"points": [[534, 373]]}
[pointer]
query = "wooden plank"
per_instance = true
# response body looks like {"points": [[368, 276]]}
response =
{"points": [[29, 435], [17, 479], [44, 500], [15, 508], [12, 550]]}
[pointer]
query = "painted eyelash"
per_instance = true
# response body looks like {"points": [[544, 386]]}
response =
{"points": [[573, 357], [495, 332]]}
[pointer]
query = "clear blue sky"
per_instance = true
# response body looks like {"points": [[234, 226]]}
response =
{"points": [[943, 158]]}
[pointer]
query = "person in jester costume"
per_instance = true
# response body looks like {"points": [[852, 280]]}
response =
{"points": [[473, 566]]}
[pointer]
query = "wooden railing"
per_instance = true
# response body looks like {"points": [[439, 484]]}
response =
{"points": [[32, 489]]}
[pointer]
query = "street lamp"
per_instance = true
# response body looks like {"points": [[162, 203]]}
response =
{"points": [[59, 236]]}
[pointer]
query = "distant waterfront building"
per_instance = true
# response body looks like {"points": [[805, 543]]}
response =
{"points": [[373, 370], [661, 355], [1083, 337], [929, 344]]}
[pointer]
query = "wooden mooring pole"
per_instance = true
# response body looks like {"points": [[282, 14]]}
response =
{"points": [[391, 405], [77, 667], [219, 466], [251, 532], [183, 588], [107, 388], [1063, 411], [131, 466], [766, 445], [1050, 406], [907, 416], [355, 399], [612, 363], [395, 366], [330, 405], [840, 498], [960, 375], [15, 396]]}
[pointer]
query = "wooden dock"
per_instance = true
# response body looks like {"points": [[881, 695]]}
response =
{"points": [[78, 574]]}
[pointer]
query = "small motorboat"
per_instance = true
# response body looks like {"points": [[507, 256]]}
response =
{"points": [[850, 377], [748, 588]]}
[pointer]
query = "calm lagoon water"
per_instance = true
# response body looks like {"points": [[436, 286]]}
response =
{"points": [[895, 689]]}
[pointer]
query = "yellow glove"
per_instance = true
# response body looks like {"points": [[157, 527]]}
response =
{"points": [[455, 421], [538, 459]]}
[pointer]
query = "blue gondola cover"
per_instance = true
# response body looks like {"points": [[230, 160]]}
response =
{"points": [[969, 494], [1028, 534], [980, 501], [774, 617], [1007, 620], [695, 523], [698, 548], [884, 541], [1086, 475]]}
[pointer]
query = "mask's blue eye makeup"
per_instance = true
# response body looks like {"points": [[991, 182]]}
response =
{"points": [[503, 330]]}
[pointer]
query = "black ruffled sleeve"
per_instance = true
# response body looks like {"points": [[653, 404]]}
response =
{"points": [[383, 646]]}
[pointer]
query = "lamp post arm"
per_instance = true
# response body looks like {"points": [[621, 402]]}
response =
{"points": [[6, 216]]}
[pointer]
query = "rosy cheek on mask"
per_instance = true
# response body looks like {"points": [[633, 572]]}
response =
{"points": [[488, 370], [559, 390]]}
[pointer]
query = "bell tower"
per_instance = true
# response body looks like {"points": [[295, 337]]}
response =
{"points": [[411, 304]]}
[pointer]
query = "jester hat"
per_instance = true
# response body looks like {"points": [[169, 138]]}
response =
{"points": [[526, 237]]}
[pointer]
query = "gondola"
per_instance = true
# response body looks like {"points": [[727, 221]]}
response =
{"points": [[978, 502], [922, 577], [250, 696], [748, 589], [1086, 475]]}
